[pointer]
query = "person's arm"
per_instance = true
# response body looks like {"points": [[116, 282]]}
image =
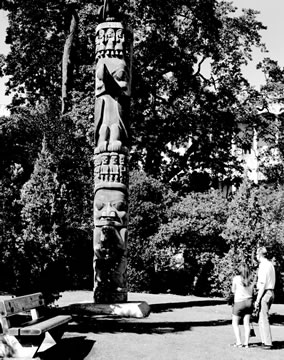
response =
{"points": [[233, 285], [261, 289], [260, 285]]}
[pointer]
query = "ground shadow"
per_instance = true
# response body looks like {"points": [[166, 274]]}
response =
{"points": [[276, 319], [156, 308], [107, 325], [277, 345], [73, 348], [78, 309]]}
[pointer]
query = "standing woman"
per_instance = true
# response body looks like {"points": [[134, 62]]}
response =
{"points": [[242, 287]]}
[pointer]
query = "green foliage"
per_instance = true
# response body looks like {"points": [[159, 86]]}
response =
{"points": [[193, 230], [173, 242], [174, 105], [244, 226], [202, 238], [9, 224], [271, 164], [224, 270], [39, 246], [255, 219], [21, 137], [149, 199]]}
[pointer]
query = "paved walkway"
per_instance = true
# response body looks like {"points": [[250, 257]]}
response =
{"points": [[178, 328]]}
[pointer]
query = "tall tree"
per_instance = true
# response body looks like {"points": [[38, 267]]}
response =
{"points": [[67, 64], [174, 104], [40, 245]]}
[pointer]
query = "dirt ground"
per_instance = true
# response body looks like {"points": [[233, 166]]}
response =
{"points": [[178, 328]]}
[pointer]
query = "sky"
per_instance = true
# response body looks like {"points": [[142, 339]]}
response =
{"points": [[4, 48], [271, 15]]}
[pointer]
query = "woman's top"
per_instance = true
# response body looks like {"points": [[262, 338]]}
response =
{"points": [[240, 291]]}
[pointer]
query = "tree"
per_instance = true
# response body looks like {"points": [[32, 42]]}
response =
{"points": [[18, 151], [10, 227], [148, 204], [245, 210], [182, 121], [174, 104], [39, 246], [67, 65], [271, 120], [255, 219], [193, 230], [180, 107]]}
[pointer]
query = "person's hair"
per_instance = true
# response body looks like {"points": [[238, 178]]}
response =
{"points": [[262, 251], [246, 274]]}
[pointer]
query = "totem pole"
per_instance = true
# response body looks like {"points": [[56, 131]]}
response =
{"points": [[113, 78]]}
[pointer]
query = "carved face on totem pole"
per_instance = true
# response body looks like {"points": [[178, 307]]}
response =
{"points": [[110, 244], [111, 163], [111, 218]]}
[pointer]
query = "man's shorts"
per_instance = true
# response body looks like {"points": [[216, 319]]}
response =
{"points": [[242, 308]]}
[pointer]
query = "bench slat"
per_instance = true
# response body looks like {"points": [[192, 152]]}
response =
{"points": [[23, 303], [41, 327]]}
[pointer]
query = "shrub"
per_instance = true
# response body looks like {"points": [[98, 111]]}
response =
{"points": [[194, 228], [149, 200], [39, 246], [255, 219]]}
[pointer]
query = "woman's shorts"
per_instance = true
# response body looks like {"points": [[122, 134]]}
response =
{"points": [[242, 308]]}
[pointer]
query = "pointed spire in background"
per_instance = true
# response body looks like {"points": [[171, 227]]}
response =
{"points": [[106, 11]]}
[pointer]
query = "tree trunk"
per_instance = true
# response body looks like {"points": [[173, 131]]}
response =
{"points": [[66, 59]]}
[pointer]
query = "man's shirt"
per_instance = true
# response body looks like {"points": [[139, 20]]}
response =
{"points": [[266, 275]]}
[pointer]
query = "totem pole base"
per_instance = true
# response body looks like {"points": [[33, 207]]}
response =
{"points": [[139, 309]]}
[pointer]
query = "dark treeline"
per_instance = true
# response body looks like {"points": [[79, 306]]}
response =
{"points": [[189, 98]]}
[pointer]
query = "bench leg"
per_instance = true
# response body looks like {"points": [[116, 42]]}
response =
{"points": [[47, 342], [58, 332], [29, 347]]}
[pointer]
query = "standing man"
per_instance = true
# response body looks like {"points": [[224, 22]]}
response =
{"points": [[265, 295]]}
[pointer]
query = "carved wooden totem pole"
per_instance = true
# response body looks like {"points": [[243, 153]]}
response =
{"points": [[113, 78]]}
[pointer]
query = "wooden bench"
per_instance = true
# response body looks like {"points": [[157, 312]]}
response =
{"points": [[26, 318]]}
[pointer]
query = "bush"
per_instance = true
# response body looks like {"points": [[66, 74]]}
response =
{"points": [[255, 219], [193, 230], [149, 201], [39, 246]]}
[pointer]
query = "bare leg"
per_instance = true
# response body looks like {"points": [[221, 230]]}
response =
{"points": [[236, 328], [247, 328]]}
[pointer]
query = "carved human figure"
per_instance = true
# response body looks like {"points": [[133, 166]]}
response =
{"points": [[110, 41], [114, 167], [104, 171], [119, 42], [100, 46], [97, 167], [122, 168], [112, 77], [112, 104]]}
